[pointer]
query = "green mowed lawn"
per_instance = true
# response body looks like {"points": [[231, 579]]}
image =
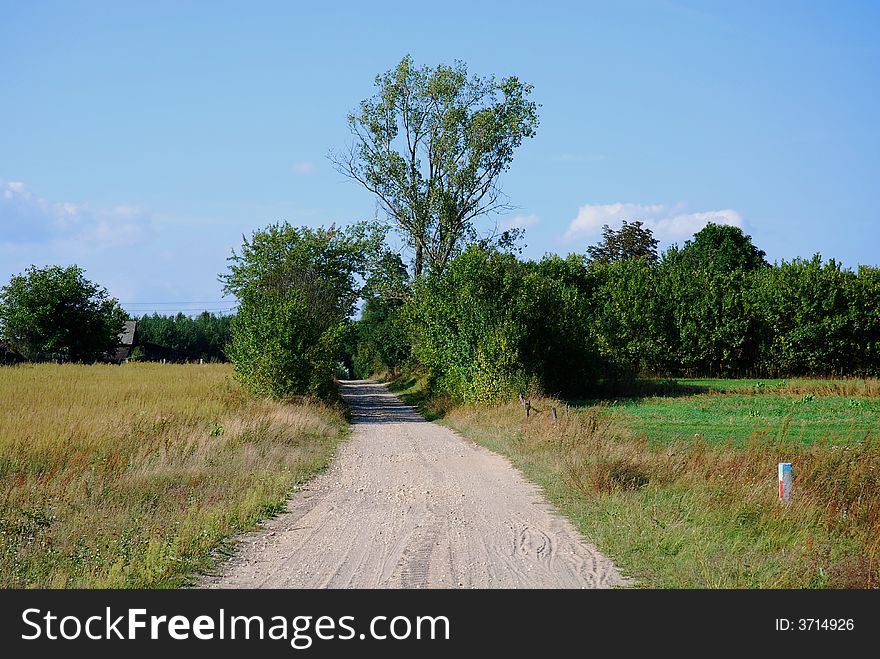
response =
{"points": [[738, 411]]}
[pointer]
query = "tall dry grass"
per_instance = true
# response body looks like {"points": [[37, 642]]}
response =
{"points": [[857, 387], [694, 514], [133, 475]]}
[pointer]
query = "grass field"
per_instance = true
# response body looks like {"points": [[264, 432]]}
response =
{"points": [[134, 476], [738, 411], [680, 489]]}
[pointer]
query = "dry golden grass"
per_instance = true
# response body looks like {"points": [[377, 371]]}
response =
{"points": [[132, 476], [861, 387], [849, 386]]}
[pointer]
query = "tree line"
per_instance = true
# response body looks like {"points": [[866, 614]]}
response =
{"points": [[463, 307], [492, 325], [57, 313], [202, 337]]}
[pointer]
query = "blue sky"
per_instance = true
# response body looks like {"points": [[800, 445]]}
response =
{"points": [[142, 140]]}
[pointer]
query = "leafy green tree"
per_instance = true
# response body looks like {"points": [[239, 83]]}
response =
{"points": [[632, 241], [564, 348], [296, 287], [807, 308], [56, 310], [719, 247], [381, 336], [387, 277], [710, 326], [277, 348], [863, 296], [629, 316], [431, 145]]}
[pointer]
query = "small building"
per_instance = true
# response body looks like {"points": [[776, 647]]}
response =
{"points": [[127, 341]]}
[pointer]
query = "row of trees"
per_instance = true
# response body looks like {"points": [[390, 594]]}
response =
{"points": [[492, 325], [203, 337], [57, 313]]}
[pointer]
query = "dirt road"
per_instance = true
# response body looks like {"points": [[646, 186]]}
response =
{"points": [[411, 504]]}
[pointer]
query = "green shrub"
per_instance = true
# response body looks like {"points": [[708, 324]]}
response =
{"points": [[296, 288], [492, 327]]}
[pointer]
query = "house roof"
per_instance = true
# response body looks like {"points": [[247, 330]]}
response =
{"points": [[126, 336]]}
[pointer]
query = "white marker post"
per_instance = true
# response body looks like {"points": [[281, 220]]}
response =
{"points": [[785, 482]]}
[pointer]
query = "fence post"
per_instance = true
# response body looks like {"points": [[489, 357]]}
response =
{"points": [[785, 482], [553, 409], [526, 404]]}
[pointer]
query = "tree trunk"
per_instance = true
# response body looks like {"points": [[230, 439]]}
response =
{"points": [[420, 259]]}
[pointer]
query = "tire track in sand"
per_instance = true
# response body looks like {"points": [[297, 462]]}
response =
{"points": [[411, 504]]}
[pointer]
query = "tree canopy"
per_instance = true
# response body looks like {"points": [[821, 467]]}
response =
{"points": [[719, 247], [55, 310], [632, 241], [297, 287], [431, 144]]}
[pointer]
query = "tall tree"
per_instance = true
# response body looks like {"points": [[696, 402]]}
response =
{"points": [[57, 310], [632, 241], [431, 145]]}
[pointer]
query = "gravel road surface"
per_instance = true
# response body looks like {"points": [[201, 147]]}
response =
{"points": [[412, 504]]}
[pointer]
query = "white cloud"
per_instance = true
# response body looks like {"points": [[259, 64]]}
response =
{"points": [[137, 255], [668, 223], [305, 168], [519, 222], [26, 218]]}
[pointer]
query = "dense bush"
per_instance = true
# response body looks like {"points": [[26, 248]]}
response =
{"points": [[565, 352], [382, 341], [710, 328], [628, 316], [492, 327], [296, 288], [817, 318], [278, 350]]}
